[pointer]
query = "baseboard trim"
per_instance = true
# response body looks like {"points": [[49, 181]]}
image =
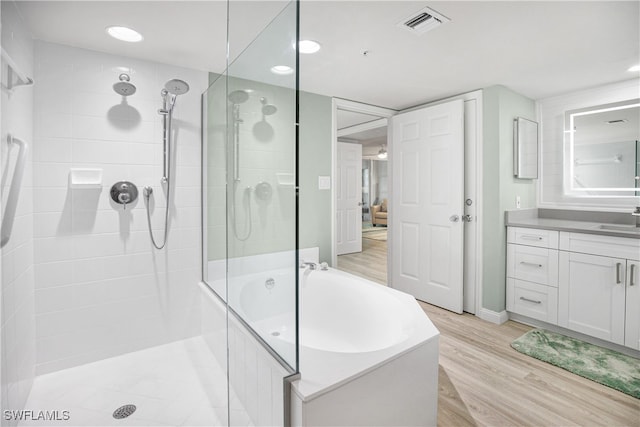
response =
{"points": [[493, 316]]}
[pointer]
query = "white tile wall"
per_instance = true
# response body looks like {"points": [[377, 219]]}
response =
{"points": [[101, 288], [17, 326], [551, 116], [267, 148]]}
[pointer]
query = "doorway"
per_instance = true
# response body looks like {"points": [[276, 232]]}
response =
{"points": [[360, 239], [472, 274]]}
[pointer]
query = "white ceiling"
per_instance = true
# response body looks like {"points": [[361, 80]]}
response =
{"points": [[538, 49]]}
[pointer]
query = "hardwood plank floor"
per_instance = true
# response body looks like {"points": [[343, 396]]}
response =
{"points": [[371, 263], [484, 382]]}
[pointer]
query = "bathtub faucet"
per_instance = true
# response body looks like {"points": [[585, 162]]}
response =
{"points": [[311, 265]]}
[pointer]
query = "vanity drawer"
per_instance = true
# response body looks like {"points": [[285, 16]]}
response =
{"points": [[532, 300], [533, 237], [539, 265]]}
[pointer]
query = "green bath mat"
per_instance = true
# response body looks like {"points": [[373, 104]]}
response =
{"points": [[604, 366]]}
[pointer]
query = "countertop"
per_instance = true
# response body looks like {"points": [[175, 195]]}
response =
{"points": [[572, 226]]}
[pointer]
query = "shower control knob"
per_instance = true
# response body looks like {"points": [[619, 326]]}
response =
{"points": [[124, 192]]}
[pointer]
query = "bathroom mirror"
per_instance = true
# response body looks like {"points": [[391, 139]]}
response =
{"points": [[525, 148], [602, 150]]}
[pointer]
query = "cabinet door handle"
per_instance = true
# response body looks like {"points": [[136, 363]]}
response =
{"points": [[632, 273], [530, 237], [530, 300], [618, 268], [533, 264]]}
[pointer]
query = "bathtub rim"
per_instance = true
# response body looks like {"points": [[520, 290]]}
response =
{"points": [[316, 384]]}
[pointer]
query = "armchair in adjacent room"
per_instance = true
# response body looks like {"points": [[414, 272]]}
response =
{"points": [[379, 213]]}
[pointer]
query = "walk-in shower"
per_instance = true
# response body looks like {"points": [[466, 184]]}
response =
{"points": [[169, 94]]}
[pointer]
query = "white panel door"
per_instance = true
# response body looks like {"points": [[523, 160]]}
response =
{"points": [[428, 203], [632, 324], [591, 295], [349, 199]]}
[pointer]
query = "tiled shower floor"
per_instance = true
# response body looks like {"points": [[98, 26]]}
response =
{"points": [[177, 384]]}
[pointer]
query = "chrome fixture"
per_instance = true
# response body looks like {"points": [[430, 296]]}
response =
{"points": [[124, 192], [124, 87], [311, 265], [236, 98], [382, 154], [169, 95], [267, 109], [11, 205]]}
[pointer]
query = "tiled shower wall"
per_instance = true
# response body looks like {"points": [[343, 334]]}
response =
{"points": [[17, 326], [101, 288]]}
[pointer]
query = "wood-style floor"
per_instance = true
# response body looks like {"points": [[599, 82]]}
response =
{"points": [[371, 263], [484, 382]]}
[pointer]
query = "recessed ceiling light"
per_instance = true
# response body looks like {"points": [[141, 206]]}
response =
{"points": [[281, 69], [634, 68], [124, 33], [308, 46]]}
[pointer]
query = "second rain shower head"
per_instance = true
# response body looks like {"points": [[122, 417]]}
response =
{"points": [[124, 87], [268, 109]]}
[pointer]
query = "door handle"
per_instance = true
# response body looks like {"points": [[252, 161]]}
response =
{"points": [[618, 268], [454, 218], [632, 274], [360, 203]]}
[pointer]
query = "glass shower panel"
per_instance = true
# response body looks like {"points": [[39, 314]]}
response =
{"points": [[261, 195], [214, 113]]}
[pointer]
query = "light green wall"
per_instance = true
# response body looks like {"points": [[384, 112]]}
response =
{"points": [[274, 224], [314, 161], [500, 188]]}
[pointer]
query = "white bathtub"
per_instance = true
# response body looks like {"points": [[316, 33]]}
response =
{"points": [[361, 344]]}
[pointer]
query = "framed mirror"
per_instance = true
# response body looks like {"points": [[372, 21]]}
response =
{"points": [[602, 150], [525, 148]]}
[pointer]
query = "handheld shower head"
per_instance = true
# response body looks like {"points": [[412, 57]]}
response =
{"points": [[176, 87]]}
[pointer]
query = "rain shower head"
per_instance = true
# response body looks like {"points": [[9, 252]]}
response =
{"points": [[238, 96], [176, 87], [123, 87], [268, 109]]}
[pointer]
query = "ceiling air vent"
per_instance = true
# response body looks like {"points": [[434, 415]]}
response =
{"points": [[423, 20]]}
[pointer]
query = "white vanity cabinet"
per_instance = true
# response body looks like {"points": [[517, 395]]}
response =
{"points": [[532, 273], [632, 312], [587, 283], [598, 294], [592, 295]]}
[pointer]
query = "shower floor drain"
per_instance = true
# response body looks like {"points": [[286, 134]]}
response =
{"points": [[124, 411]]}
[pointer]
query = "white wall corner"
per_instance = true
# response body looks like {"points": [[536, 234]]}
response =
{"points": [[493, 316]]}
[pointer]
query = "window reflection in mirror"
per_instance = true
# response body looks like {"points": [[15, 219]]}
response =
{"points": [[603, 150]]}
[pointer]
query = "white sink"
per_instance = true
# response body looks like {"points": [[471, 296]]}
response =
{"points": [[624, 228]]}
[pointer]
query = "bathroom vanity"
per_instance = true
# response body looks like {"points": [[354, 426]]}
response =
{"points": [[582, 276]]}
